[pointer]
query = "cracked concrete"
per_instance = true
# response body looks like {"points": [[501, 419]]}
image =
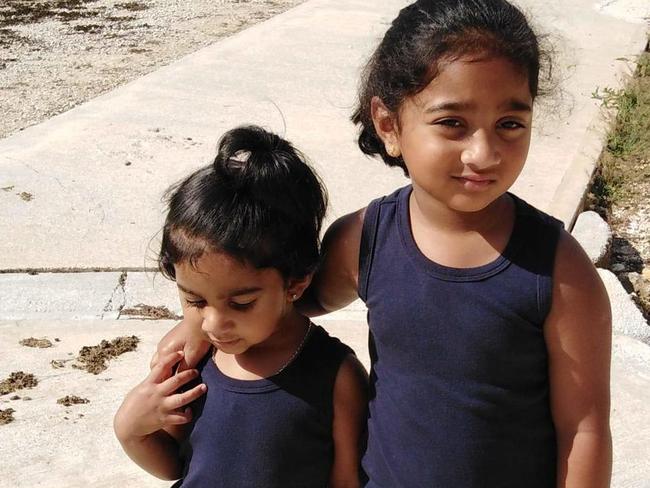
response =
{"points": [[56, 296], [117, 301]]}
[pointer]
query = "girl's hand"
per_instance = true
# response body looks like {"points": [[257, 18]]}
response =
{"points": [[155, 404], [186, 336]]}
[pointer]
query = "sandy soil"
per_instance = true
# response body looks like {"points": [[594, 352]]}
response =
{"points": [[55, 54]]}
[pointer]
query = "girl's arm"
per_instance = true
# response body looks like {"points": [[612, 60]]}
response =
{"points": [[578, 337], [335, 283], [148, 410], [185, 336], [350, 404]]}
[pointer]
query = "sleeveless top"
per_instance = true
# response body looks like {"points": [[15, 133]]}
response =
{"points": [[266, 433], [459, 382]]}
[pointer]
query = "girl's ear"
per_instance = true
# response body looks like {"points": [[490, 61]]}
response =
{"points": [[297, 286], [386, 126]]}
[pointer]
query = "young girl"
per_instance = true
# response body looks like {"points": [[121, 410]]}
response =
{"points": [[279, 402], [490, 328]]}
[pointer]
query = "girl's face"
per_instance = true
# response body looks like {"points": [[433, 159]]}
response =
{"points": [[241, 306], [465, 137]]}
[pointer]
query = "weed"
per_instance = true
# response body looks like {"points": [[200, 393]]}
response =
{"points": [[93, 358], [6, 416], [628, 143], [17, 12], [70, 400], [142, 311], [9, 38], [88, 28], [132, 6]]}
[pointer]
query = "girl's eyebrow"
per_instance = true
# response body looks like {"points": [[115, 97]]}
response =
{"points": [[516, 105], [450, 106], [232, 293], [189, 292], [244, 291], [512, 105]]}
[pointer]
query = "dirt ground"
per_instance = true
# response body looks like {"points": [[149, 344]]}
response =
{"points": [[56, 54], [17, 381], [93, 358]]}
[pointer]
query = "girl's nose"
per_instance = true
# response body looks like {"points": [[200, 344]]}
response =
{"points": [[213, 321], [481, 152]]}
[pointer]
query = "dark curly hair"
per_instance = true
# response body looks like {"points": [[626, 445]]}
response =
{"points": [[259, 202], [428, 32]]}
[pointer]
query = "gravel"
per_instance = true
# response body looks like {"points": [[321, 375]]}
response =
{"points": [[56, 54]]}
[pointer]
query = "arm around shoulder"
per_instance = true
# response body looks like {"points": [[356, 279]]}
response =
{"points": [[578, 338], [152, 413], [335, 283], [350, 411], [185, 336]]}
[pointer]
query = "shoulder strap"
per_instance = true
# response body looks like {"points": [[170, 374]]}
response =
{"points": [[543, 234], [367, 247]]}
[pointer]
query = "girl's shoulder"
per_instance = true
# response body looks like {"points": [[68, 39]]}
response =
{"points": [[535, 237], [343, 238], [322, 348], [527, 212], [335, 283]]}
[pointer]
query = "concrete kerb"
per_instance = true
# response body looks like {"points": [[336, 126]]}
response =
{"points": [[627, 319], [567, 202]]}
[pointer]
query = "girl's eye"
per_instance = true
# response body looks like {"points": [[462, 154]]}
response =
{"points": [[195, 303], [242, 306], [511, 125], [451, 123]]}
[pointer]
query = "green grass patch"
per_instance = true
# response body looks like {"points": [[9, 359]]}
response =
{"points": [[627, 153]]}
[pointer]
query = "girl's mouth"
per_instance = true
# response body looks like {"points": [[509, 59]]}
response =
{"points": [[474, 182], [223, 342]]}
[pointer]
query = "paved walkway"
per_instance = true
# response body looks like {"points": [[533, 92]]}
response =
{"points": [[97, 172]]}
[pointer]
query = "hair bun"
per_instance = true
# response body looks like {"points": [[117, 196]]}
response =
{"points": [[246, 154], [262, 166]]}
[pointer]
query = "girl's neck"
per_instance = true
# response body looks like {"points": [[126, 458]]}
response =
{"points": [[460, 239], [266, 359], [438, 217]]}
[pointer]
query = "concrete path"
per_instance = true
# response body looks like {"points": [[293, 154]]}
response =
{"points": [[96, 173], [82, 192]]}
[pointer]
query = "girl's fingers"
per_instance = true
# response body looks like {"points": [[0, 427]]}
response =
{"points": [[179, 418], [154, 360], [172, 384], [163, 369], [180, 400]]}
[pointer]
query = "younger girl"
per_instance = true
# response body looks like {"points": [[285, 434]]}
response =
{"points": [[280, 403], [490, 328]]}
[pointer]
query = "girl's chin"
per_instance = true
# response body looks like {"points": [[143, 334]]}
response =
{"points": [[471, 204], [230, 347]]}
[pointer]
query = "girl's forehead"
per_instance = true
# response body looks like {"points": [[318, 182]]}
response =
{"points": [[476, 76], [224, 273]]}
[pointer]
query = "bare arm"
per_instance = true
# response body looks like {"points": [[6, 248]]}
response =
{"points": [[185, 336], [350, 404], [335, 283], [148, 410], [578, 337]]}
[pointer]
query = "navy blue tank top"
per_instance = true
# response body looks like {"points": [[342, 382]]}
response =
{"points": [[272, 432], [459, 380]]}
